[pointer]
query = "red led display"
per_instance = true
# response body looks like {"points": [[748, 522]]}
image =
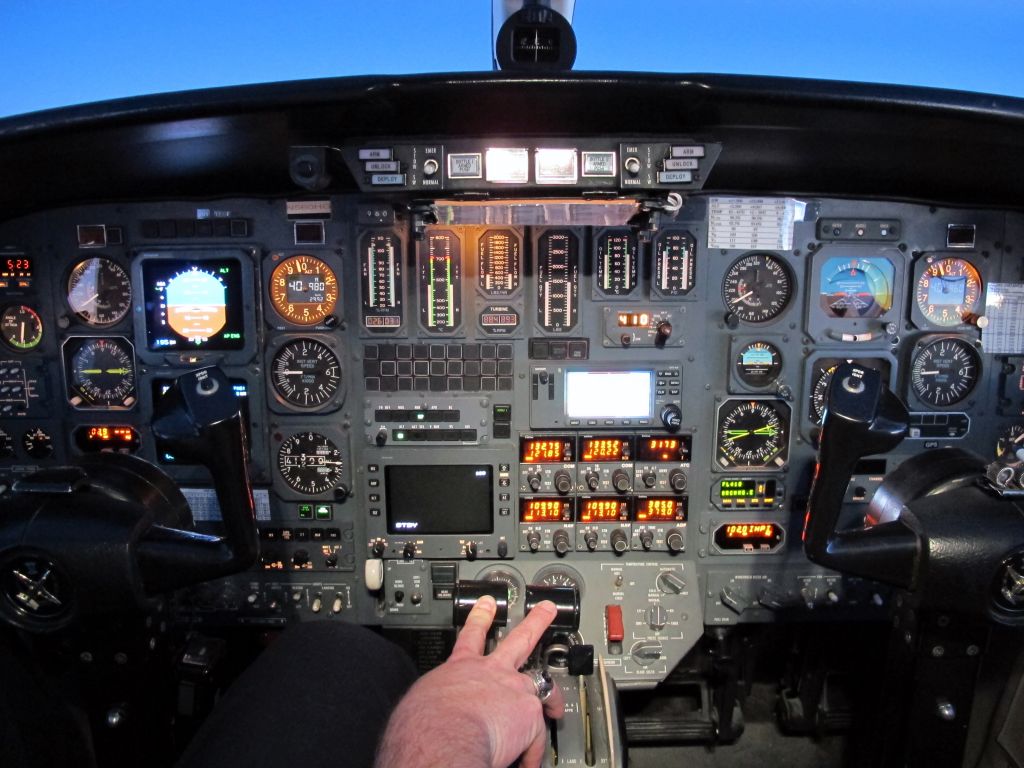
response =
{"points": [[595, 510]]}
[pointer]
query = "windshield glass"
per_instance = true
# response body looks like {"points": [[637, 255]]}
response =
{"points": [[67, 52]]}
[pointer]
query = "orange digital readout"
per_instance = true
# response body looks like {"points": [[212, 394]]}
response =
{"points": [[111, 434], [604, 449], [659, 509], [751, 531], [602, 509], [542, 510], [535, 450], [634, 319], [662, 449]]}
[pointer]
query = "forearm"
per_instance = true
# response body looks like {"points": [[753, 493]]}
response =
{"points": [[415, 738]]}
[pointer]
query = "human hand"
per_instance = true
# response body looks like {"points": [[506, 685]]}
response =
{"points": [[476, 710]]}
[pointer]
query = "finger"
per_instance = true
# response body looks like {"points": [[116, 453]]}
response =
{"points": [[473, 637], [534, 754], [554, 704], [521, 641]]}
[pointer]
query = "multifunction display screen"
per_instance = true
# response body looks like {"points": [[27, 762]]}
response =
{"points": [[425, 500]]}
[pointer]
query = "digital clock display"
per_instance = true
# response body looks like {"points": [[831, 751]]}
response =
{"points": [[756, 537], [663, 448], [546, 450], [15, 266], [634, 319], [655, 509], [596, 510], [605, 449], [545, 511], [99, 438]]}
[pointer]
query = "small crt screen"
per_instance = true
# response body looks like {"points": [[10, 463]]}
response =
{"points": [[609, 394], [429, 500], [193, 304]]}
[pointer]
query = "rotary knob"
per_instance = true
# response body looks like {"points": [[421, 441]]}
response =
{"points": [[672, 417], [677, 479], [619, 541], [379, 547], [590, 539], [533, 541], [533, 480], [593, 481], [646, 539], [650, 479], [620, 480], [300, 558], [560, 541], [471, 550], [662, 334], [563, 483], [674, 540], [409, 551]]}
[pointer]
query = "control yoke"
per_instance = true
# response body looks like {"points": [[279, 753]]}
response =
{"points": [[937, 525], [862, 418], [112, 530]]}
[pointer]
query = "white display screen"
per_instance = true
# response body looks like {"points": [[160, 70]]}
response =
{"points": [[608, 394]]}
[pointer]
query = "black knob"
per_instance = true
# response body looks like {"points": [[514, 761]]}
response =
{"points": [[663, 332], [650, 479], [590, 538], [533, 481], [672, 417], [502, 548], [620, 480], [563, 483], [341, 492], [646, 539], [331, 560], [471, 550], [300, 558], [619, 541], [409, 551], [533, 541], [677, 479], [593, 480], [382, 436], [674, 540], [560, 541], [379, 547]]}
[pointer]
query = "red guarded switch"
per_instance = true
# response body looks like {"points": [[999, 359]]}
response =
{"points": [[614, 630]]}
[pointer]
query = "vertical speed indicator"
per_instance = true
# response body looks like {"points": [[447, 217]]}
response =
{"points": [[498, 254], [674, 262], [557, 280], [381, 266], [616, 263], [441, 281]]}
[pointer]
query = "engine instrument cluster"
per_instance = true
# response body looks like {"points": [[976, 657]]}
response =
{"points": [[539, 392]]}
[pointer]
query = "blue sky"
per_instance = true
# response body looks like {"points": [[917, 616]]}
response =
{"points": [[70, 51]]}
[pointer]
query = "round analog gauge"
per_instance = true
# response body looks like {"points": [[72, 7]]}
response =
{"points": [[6, 445], [752, 434], [310, 463], [509, 578], [21, 327], [757, 287], [99, 291], [37, 443], [856, 287], [305, 373], [559, 576], [101, 374], [303, 290], [819, 392], [758, 364], [1011, 441], [948, 292], [945, 371]]}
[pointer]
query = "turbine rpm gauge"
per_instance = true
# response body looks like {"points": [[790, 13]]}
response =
{"points": [[381, 254], [752, 434], [310, 463], [305, 373], [945, 372], [757, 287]]}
